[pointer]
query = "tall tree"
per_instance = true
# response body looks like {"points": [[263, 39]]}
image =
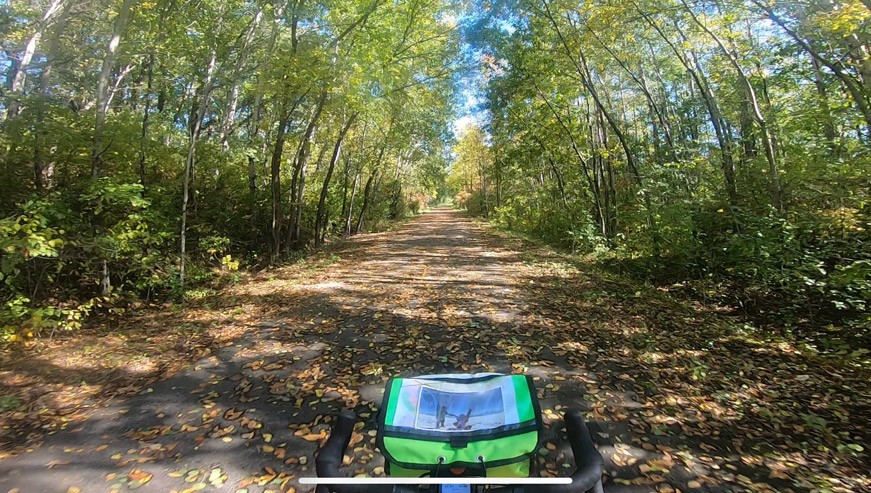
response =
{"points": [[102, 96]]}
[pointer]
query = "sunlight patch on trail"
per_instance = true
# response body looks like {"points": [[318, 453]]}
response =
{"points": [[323, 286]]}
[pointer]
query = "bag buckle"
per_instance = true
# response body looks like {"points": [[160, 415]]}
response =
{"points": [[459, 442]]}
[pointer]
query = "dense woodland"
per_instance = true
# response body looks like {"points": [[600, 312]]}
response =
{"points": [[716, 147], [146, 144], [719, 148]]}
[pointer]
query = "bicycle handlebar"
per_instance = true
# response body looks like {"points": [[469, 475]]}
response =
{"points": [[586, 478]]}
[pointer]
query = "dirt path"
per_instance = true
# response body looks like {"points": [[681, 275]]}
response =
{"points": [[674, 399]]}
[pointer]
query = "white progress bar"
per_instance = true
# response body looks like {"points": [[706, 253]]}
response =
{"points": [[435, 480]]}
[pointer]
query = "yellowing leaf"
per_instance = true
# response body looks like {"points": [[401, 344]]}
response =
{"points": [[313, 437]]}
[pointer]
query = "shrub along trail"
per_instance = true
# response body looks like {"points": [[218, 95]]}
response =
{"points": [[678, 396]]}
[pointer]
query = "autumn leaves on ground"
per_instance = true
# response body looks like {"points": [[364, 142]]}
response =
{"points": [[234, 390]]}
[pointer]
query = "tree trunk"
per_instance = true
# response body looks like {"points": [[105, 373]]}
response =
{"points": [[825, 112], [598, 146], [320, 160], [854, 87], [320, 217], [275, 180], [301, 161], [256, 107], [727, 164], [43, 171], [103, 85], [105, 279], [366, 191], [585, 167], [193, 138], [350, 213], [230, 112], [498, 186], [143, 135], [346, 177], [767, 142], [19, 77], [587, 80]]}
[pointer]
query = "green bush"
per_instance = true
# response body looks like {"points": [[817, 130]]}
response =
{"points": [[472, 201], [788, 270], [57, 248], [414, 206]]}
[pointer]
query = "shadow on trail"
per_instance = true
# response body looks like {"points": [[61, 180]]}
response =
{"points": [[700, 393]]}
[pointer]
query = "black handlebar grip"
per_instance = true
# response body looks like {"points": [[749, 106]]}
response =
{"points": [[588, 475], [329, 459]]}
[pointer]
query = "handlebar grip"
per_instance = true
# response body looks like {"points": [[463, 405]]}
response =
{"points": [[588, 475], [330, 456]]}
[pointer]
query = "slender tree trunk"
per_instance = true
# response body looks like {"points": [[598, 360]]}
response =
{"points": [[484, 188], [825, 112], [19, 77], [146, 112], [587, 80], [320, 217], [301, 161], [366, 191], [721, 126], [346, 178], [767, 141], [252, 174], [235, 90], [257, 107], [346, 205], [44, 171], [103, 85], [117, 85], [190, 159], [351, 203], [748, 132], [727, 163], [585, 166], [857, 91], [320, 160], [497, 168], [275, 180], [559, 183], [369, 183], [105, 278], [599, 144]]}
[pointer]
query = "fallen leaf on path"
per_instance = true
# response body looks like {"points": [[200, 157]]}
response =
{"points": [[313, 437]]}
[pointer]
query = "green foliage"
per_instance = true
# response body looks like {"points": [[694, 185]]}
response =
{"points": [[92, 213], [65, 239], [640, 133], [802, 271], [472, 201], [28, 236]]}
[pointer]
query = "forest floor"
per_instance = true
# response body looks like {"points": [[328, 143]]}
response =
{"points": [[234, 390]]}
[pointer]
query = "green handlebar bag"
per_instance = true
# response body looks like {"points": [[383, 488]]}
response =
{"points": [[484, 424]]}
